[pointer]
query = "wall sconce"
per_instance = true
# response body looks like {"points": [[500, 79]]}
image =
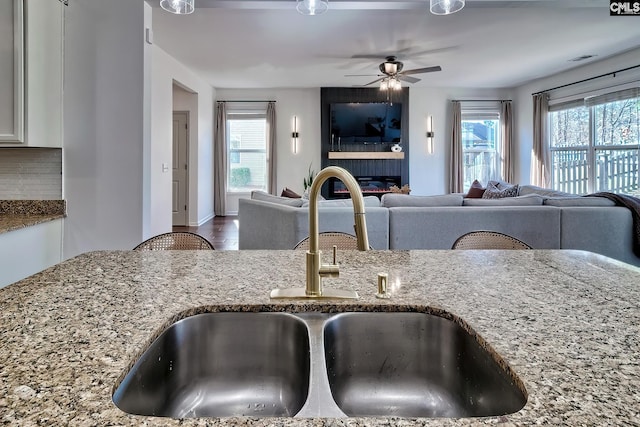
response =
{"points": [[430, 134], [295, 135]]}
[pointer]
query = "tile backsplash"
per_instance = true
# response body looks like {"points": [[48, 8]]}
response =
{"points": [[30, 173]]}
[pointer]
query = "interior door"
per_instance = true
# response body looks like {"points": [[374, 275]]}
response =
{"points": [[180, 184]]}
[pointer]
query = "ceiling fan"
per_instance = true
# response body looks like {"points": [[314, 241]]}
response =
{"points": [[392, 73]]}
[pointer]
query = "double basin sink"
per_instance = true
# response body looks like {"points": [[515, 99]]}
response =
{"points": [[355, 364]]}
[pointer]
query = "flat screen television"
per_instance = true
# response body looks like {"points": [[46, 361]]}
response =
{"points": [[366, 122]]}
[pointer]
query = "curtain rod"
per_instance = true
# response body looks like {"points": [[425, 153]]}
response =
{"points": [[233, 100], [613, 73], [480, 100]]}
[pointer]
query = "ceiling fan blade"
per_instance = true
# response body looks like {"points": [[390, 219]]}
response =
{"points": [[433, 51], [367, 56], [375, 81], [362, 75], [408, 79], [422, 70]]}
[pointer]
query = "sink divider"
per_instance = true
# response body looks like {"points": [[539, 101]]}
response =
{"points": [[319, 401]]}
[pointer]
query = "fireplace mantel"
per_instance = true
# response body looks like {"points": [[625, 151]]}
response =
{"points": [[365, 155]]}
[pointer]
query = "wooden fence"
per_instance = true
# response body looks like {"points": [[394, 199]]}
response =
{"points": [[615, 171]]}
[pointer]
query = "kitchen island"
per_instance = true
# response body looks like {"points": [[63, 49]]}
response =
{"points": [[566, 322]]}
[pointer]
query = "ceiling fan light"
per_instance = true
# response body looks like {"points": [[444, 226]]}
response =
{"points": [[179, 7], [396, 85], [390, 68], [384, 84], [312, 7], [445, 7]]}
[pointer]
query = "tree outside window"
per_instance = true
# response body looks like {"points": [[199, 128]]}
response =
{"points": [[595, 144]]}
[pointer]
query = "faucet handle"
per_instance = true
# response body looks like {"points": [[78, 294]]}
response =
{"points": [[383, 279]]}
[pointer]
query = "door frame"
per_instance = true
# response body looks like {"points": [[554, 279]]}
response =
{"points": [[187, 115]]}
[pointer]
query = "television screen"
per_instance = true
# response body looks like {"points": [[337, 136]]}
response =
{"points": [[366, 122]]}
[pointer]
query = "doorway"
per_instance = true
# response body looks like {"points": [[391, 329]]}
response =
{"points": [[180, 155]]}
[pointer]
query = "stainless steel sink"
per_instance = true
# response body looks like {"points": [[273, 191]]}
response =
{"points": [[219, 365], [413, 365], [318, 365]]}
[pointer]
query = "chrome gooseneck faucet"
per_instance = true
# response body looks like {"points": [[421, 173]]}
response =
{"points": [[315, 269]]}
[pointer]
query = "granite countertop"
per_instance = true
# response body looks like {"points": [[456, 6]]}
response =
{"points": [[567, 322], [16, 214]]}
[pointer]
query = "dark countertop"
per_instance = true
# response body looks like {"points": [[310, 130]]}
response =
{"points": [[17, 214]]}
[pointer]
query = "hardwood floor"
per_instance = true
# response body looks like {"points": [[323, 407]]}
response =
{"points": [[221, 231]]}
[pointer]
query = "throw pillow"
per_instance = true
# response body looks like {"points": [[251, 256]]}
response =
{"points": [[286, 192], [494, 192], [500, 184], [475, 191]]}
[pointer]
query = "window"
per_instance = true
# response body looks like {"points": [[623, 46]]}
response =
{"points": [[480, 147], [247, 149], [594, 144]]}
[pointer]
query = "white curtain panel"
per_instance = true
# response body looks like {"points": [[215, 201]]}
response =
{"points": [[540, 164], [272, 146], [456, 182], [220, 153], [506, 140]]}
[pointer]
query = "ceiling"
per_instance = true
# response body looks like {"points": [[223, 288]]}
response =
{"points": [[488, 44]]}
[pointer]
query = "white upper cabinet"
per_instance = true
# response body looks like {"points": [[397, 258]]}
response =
{"points": [[42, 26], [11, 72]]}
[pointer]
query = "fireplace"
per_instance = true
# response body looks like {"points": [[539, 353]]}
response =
{"points": [[370, 186]]}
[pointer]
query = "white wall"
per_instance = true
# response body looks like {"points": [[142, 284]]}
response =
{"points": [[303, 103], [103, 125], [166, 73], [523, 107]]}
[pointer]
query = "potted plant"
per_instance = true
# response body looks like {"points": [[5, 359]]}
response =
{"points": [[308, 181]]}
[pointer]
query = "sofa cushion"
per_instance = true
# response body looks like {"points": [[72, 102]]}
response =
{"points": [[498, 191], [578, 201], [392, 200], [544, 192], [287, 192], [528, 200], [369, 201], [439, 227], [266, 197], [475, 191]]}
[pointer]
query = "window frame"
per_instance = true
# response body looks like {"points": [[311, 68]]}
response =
{"points": [[482, 113], [238, 115], [591, 148]]}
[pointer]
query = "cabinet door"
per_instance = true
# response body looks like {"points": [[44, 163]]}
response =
{"points": [[11, 72], [28, 250], [44, 72]]}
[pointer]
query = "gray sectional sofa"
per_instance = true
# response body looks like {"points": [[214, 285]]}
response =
{"points": [[541, 218]]}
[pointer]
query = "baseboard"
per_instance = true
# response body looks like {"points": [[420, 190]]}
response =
{"points": [[199, 223]]}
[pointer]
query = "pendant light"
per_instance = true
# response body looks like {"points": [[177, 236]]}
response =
{"points": [[312, 7], [446, 7], [179, 7]]}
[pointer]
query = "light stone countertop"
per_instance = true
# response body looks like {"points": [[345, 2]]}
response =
{"points": [[567, 322]]}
